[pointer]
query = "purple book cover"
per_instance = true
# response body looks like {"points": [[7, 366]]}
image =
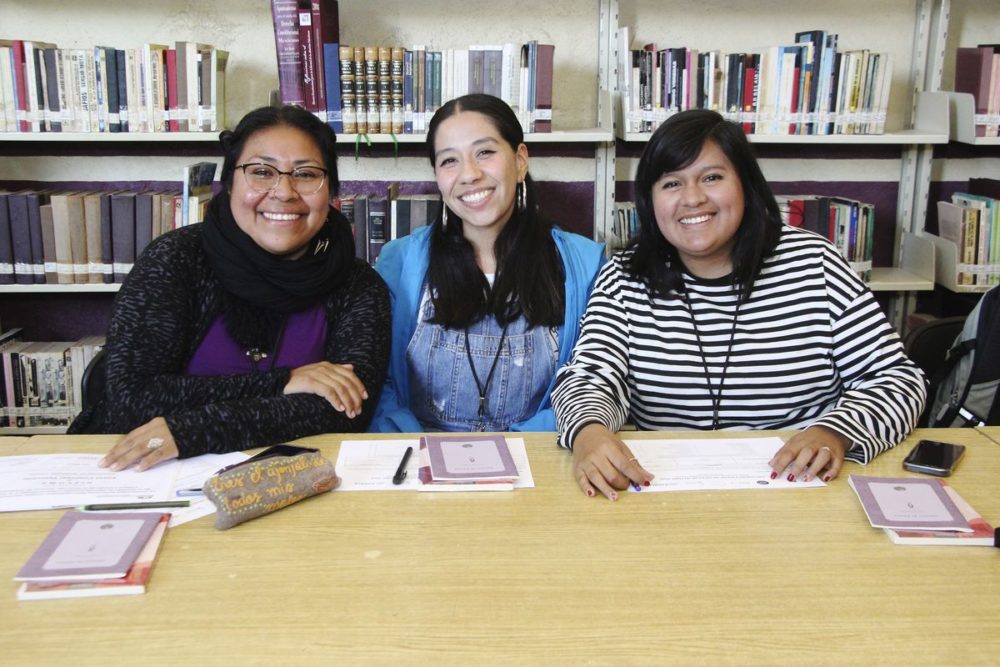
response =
{"points": [[286, 41], [908, 503], [90, 545], [469, 458]]}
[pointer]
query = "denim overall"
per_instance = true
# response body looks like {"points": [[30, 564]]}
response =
{"points": [[444, 393]]}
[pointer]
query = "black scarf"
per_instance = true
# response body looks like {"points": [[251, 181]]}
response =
{"points": [[270, 281]]}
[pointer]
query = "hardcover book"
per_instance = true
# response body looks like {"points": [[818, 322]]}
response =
{"points": [[133, 583], [86, 546]]}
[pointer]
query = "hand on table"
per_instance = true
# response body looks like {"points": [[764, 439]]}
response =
{"points": [[337, 383], [817, 451], [143, 447], [602, 462]]}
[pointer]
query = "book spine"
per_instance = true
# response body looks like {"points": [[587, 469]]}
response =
{"points": [[307, 56], [284, 14], [348, 87], [396, 88], [6, 244], [332, 72]]}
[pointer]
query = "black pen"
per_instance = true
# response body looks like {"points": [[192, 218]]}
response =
{"points": [[401, 470], [156, 504]]}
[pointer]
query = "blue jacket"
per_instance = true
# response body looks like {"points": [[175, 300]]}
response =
{"points": [[403, 266]]}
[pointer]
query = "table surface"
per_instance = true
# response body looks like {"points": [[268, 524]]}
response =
{"points": [[543, 575]]}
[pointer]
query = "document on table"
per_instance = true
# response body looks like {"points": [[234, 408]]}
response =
{"points": [[50, 481], [369, 465], [191, 474], [712, 464]]}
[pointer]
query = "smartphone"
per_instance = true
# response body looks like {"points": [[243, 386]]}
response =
{"points": [[274, 450], [933, 457]]}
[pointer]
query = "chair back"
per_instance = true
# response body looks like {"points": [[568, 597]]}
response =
{"points": [[92, 382], [927, 346]]}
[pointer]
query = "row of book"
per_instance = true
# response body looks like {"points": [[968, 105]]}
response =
{"points": [[85, 237], [808, 87], [849, 224], [395, 90], [152, 88], [41, 381], [971, 220], [977, 72], [379, 218]]}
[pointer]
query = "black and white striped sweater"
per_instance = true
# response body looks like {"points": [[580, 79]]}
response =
{"points": [[811, 346]]}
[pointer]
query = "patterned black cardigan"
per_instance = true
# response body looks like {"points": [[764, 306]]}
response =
{"points": [[164, 309]]}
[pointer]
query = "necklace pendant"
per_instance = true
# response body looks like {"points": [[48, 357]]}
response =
{"points": [[482, 407]]}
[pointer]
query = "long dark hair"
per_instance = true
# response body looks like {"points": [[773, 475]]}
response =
{"points": [[673, 146], [529, 277], [267, 117]]}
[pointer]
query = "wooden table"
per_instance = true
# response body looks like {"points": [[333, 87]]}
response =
{"points": [[991, 432], [537, 576]]}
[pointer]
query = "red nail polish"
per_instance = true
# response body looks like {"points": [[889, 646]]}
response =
{"points": [[646, 483], [791, 477], [590, 493], [826, 478], [774, 475]]}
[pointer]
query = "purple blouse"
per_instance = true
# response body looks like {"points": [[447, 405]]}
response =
{"points": [[302, 342]]}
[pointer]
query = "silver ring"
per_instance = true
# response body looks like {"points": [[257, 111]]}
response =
{"points": [[632, 459], [828, 450], [154, 443]]}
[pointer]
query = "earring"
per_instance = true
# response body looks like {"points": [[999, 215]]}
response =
{"points": [[444, 218], [521, 203]]}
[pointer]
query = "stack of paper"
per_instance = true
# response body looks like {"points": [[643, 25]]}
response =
{"points": [[90, 553], [920, 511], [473, 462]]}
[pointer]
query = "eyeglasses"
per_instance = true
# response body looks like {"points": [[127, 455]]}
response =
{"points": [[262, 177]]}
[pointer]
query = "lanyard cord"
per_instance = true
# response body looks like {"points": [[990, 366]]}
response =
{"points": [[716, 395], [479, 385]]}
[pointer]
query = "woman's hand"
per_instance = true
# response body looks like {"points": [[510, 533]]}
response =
{"points": [[337, 383], [814, 452], [602, 462], [145, 447]]}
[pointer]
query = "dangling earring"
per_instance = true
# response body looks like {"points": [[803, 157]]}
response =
{"points": [[444, 218], [521, 203]]}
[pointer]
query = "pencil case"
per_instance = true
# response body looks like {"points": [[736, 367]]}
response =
{"points": [[259, 486]]}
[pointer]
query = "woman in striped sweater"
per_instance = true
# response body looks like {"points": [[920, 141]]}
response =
{"points": [[720, 317]]}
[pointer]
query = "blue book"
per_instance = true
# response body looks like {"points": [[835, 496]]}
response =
{"points": [[334, 104]]}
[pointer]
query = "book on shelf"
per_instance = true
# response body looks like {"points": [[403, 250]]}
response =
{"points": [[133, 583], [284, 14], [476, 462], [122, 233], [6, 243], [847, 223], [196, 192]]}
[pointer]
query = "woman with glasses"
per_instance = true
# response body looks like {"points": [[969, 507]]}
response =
{"points": [[254, 327], [487, 300]]}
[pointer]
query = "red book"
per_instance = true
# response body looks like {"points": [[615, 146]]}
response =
{"points": [[973, 69], [170, 56], [543, 88], [17, 52], [750, 91], [312, 72]]}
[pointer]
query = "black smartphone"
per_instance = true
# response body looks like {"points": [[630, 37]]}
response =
{"points": [[933, 457], [274, 450]]}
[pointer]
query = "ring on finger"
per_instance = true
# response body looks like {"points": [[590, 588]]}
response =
{"points": [[154, 443], [829, 451]]}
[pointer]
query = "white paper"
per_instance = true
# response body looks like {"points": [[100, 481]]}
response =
{"points": [[192, 474], [369, 465], [712, 464], [50, 481]]}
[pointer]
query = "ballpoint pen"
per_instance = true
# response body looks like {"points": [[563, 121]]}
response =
{"points": [[401, 470], [156, 504]]}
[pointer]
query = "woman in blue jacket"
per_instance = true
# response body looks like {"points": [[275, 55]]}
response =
{"points": [[487, 300]]}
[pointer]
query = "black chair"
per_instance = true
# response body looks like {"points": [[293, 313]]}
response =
{"points": [[92, 382], [927, 345]]}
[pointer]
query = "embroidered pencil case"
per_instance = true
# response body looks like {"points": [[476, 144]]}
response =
{"points": [[275, 478]]}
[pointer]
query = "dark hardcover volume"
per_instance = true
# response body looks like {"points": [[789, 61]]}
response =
{"points": [[143, 221], [35, 201], [6, 245], [122, 233], [51, 56], [107, 254]]}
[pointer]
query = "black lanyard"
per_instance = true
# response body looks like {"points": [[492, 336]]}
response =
{"points": [[716, 395], [479, 385]]}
